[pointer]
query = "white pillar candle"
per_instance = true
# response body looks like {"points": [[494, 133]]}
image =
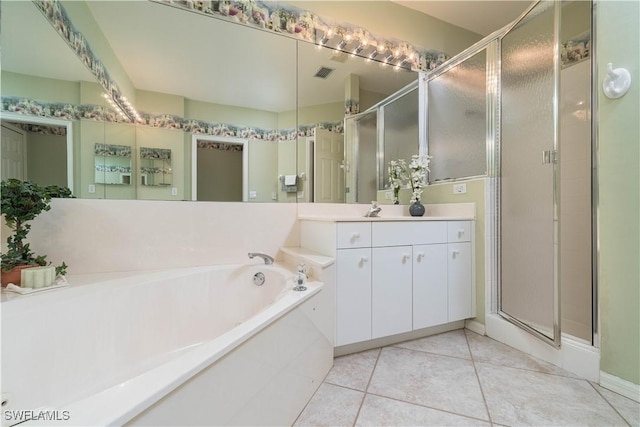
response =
{"points": [[37, 277]]}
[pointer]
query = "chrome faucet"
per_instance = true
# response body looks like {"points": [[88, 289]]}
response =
{"points": [[268, 260], [374, 210]]}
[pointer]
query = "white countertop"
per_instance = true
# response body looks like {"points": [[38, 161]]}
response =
{"points": [[385, 218]]}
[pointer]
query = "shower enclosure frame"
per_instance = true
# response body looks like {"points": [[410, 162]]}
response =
{"points": [[492, 44]]}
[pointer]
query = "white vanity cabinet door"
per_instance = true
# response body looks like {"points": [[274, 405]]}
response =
{"points": [[429, 285], [353, 295], [391, 292], [459, 271]]}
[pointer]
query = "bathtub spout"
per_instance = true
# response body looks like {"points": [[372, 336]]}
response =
{"points": [[268, 260]]}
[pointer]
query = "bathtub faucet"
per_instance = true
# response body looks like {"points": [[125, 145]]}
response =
{"points": [[268, 260]]}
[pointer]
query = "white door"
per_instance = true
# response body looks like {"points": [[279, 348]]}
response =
{"points": [[429, 285], [391, 291], [328, 180], [353, 295], [13, 153], [459, 276]]}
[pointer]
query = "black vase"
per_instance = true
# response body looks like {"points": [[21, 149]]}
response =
{"points": [[416, 208]]}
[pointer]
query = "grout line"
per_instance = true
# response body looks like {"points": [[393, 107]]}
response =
{"points": [[609, 403], [366, 389], [473, 363], [429, 407], [314, 394], [431, 352]]}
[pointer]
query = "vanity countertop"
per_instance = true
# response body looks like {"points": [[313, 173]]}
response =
{"points": [[385, 218]]}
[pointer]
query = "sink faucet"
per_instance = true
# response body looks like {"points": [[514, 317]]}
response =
{"points": [[374, 210], [268, 260]]}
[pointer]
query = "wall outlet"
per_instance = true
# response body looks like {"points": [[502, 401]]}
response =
{"points": [[459, 188], [388, 195], [274, 195], [174, 191], [300, 194], [92, 189], [253, 194]]}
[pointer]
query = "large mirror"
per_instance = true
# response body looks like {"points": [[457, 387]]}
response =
{"points": [[241, 110]]}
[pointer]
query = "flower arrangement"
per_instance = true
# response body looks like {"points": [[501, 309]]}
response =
{"points": [[418, 169], [398, 174], [413, 174]]}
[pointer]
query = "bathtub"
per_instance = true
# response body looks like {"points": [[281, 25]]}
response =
{"points": [[197, 346]]}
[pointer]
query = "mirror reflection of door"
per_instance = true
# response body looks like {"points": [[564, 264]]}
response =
{"points": [[13, 152], [34, 152], [328, 180], [219, 170]]}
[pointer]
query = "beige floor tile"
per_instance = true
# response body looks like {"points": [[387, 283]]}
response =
{"points": [[353, 370], [629, 409], [452, 343], [439, 382], [331, 406], [487, 350], [520, 397], [380, 411]]}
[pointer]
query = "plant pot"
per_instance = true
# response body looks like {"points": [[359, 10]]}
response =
{"points": [[13, 275], [416, 208]]}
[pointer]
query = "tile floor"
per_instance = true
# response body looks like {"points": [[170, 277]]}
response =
{"points": [[459, 378]]}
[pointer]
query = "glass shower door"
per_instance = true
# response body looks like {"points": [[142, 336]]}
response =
{"points": [[529, 291]]}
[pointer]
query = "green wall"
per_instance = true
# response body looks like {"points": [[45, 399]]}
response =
{"points": [[618, 42]]}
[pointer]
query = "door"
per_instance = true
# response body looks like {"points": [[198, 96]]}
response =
{"points": [[528, 289], [391, 291], [429, 285], [13, 153], [353, 295], [328, 180]]}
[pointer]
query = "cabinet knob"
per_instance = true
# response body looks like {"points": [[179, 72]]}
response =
{"points": [[420, 255], [364, 259], [455, 253], [406, 257], [355, 236], [460, 232]]}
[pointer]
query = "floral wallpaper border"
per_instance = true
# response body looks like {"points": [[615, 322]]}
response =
{"points": [[112, 150], [295, 22], [41, 129], [59, 20], [210, 145], [155, 153], [66, 111], [576, 49]]}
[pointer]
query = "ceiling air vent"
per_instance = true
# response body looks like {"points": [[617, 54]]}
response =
{"points": [[323, 72]]}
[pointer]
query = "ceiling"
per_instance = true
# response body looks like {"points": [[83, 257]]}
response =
{"points": [[480, 16]]}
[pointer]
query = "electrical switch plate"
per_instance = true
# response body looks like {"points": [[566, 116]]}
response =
{"points": [[388, 195], [459, 188], [174, 191], [300, 194], [253, 194], [92, 188]]}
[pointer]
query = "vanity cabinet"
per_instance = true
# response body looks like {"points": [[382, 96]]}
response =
{"points": [[393, 277]]}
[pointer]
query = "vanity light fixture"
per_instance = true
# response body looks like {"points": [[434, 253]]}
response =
{"points": [[341, 45], [123, 107]]}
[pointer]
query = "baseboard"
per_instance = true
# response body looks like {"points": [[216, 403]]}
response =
{"points": [[620, 386], [475, 326]]}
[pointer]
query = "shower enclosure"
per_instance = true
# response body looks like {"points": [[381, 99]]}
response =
{"points": [[516, 108], [386, 131]]}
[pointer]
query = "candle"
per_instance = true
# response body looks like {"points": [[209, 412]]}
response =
{"points": [[37, 277]]}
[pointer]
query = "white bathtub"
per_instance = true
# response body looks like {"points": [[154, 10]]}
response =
{"points": [[198, 346]]}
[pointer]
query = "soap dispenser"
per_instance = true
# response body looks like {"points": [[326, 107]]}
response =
{"points": [[301, 278]]}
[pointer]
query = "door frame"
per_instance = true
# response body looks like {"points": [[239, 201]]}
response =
{"points": [[226, 140], [37, 120]]}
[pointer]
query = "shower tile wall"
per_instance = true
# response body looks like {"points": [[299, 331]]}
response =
{"points": [[575, 200]]}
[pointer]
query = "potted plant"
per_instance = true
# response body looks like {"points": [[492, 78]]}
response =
{"points": [[21, 202]]}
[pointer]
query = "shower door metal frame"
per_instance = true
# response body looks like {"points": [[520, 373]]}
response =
{"points": [[557, 334], [356, 144]]}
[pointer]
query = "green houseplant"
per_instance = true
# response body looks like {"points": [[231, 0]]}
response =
{"points": [[21, 202]]}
